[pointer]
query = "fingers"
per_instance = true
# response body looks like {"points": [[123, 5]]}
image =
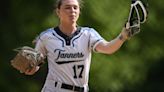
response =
{"points": [[32, 71], [127, 25]]}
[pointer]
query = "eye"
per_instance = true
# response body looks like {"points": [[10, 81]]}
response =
{"points": [[71, 7], [67, 7], [75, 7]]}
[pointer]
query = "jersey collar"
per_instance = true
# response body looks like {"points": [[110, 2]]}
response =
{"points": [[67, 38]]}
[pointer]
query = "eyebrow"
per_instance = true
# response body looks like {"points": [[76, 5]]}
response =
{"points": [[70, 5]]}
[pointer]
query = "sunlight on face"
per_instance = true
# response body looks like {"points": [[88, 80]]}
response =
{"points": [[69, 11]]}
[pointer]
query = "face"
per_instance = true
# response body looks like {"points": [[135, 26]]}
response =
{"points": [[69, 11]]}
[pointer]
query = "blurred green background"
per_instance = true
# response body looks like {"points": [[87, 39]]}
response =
{"points": [[137, 67]]}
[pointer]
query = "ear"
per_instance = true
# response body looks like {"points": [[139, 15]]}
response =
{"points": [[57, 11]]}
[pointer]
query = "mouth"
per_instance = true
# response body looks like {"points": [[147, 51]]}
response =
{"points": [[72, 16]]}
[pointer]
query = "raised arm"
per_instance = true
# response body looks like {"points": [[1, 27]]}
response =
{"points": [[109, 47]]}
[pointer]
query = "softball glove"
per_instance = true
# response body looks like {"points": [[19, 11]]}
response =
{"points": [[26, 59]]}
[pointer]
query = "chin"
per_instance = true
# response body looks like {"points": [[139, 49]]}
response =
{"points": [[73, 21]]}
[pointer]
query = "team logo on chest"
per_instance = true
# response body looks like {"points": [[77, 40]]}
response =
{"points": [[66, 57]]}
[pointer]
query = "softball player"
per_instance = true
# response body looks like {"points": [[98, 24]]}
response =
{"points": [[68, 48]]}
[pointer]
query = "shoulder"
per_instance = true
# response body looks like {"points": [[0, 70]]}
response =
{"points": [[44, 35], [88, 29], [47, 33]]}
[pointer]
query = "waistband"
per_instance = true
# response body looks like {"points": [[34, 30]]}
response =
{"points": [[65, 86]]}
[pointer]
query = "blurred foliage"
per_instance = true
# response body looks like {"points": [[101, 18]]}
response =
{"points": [[136, 67]]}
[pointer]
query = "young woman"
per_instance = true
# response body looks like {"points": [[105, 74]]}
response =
{"points": [[68, 48]]}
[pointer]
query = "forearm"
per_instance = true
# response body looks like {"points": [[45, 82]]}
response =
{"points": [[109, 47]]}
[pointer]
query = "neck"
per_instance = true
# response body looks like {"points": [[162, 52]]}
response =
{"points": [[67, 29]]}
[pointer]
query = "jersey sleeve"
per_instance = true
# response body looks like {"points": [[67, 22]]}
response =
{"points": [[40, 47], [40, 44], [95, 39]]}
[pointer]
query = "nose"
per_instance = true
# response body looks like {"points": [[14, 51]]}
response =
{"points": [[72, 9]]}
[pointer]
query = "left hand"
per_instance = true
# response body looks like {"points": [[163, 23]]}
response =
{"points": [[129, 31], [32, 71]]}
